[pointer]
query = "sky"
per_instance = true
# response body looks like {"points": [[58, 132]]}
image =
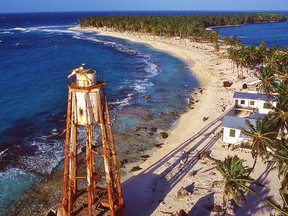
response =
{"points": [[7, 6]]}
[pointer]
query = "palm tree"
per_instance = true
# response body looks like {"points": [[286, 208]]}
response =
{"points": [[267, 79], [242, 61], [279, 114], [250, 56], [235, 42], [284, 56], [238, 59], [262, 54], [274, 50], [282, 73], [276, 206], [232, 54], [236, 180], [273, 62], [262, 137], [281, 160], [282, 88]]}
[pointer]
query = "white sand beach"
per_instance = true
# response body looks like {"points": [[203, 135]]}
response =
{"points": [[154, 190]]}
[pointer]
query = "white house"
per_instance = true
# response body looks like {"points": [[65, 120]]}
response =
{"points": [[232, 129], [253, 102]]}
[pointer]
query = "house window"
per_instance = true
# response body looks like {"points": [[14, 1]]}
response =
{"points": [[252, 103], [242, 102], [266, 106], [232, 133]]}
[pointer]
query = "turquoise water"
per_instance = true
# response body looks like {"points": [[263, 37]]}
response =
{"points": [[37, 54]]}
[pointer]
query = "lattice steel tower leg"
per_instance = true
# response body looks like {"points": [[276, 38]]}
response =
{"points": [[99, 188]]}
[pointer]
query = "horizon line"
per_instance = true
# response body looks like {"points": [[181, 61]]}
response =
{"points": [[88, 11]]}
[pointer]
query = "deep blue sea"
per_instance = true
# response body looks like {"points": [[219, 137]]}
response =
{"points": [[37, 53], [274, 34]]}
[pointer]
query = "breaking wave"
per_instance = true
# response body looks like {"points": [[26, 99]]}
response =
{"points": [[47, 156]]}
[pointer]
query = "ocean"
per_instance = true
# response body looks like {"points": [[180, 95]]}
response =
{"points": [[274, 34], [37, 53]]}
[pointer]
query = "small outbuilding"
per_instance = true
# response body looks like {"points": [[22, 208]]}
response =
{"points": [[253, 102], [232, 129]]}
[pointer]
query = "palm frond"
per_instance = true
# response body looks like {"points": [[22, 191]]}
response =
{"points": [[249, 190], [217, 182], [276, 206]]}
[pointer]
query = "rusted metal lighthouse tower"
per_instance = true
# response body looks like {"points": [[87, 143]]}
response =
{"points": [[96, 190]]}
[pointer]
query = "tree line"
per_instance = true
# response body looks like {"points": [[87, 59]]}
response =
{"points": [[269, 137], [192, 26]]}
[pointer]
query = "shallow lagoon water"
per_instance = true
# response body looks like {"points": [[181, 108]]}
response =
{"points": [[37, 53], [37, 56]]}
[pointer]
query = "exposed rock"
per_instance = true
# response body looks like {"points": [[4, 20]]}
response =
{"points": [[191, 103], [227, 83], [147, 97], [123, 162], [136, 129], [153, 129], [159, 145], [178, 213], [143, 128], [53, 210], [151, 134], [200, 90], [192, 173], [216, 208], [241, 76], [171, 113], [182, 67], [182, 193], [136, 168], [202, 155], [140, 129], [164, 135], [205, 118], [144, 157], [182, 213]]}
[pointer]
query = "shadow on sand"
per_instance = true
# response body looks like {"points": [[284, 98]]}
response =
{"points": [[147, 190], [257, 204], [201, 207]]}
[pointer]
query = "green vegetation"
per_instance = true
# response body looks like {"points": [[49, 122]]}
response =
{"points": [[269, 138], [236, 180], [192, 27]]}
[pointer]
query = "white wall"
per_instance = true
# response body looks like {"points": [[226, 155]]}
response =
{"points": [[232, 140], [257, 104]]}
